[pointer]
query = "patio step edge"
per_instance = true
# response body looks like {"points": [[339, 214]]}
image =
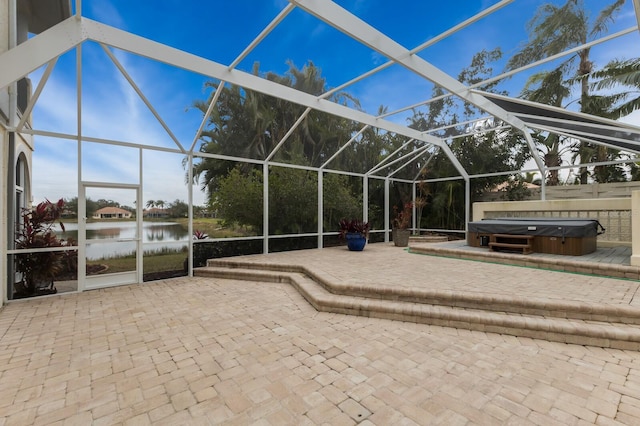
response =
{"points": [[589, 311], [574, 331], [569, 265]]}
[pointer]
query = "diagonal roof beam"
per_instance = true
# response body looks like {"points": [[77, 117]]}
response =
{"points": [[417, 157], [288, 134], [150, 49], [424, 45], [144, 99], [579, 116], [518, 70], [63, 37], [265, 32], [141, 46], [354, 27], [415, 152], [343, 147], [36, 94], [389, 157], [205, 118], [636, 7], [424, 166], [39, 50]]}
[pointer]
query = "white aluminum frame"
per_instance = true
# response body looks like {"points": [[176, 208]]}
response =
{"points": [[48, 46]]}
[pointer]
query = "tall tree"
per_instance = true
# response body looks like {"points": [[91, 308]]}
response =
{"points": [[483, 152], [178, 208], [249, 124], [548, 88], [624, 74], [555, 29]]}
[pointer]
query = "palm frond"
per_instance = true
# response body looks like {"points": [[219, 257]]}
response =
{"points": [[616, 72], [605, 17], [626, 108]]}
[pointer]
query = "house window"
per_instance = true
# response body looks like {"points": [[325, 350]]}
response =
{"points": [[21, 184], [24, 93]]}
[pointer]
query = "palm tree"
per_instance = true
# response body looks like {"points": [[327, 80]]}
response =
{"points": [[250, 124], [620, 73], [550, 89], [555, 29], [530, 177], [602, 106], [150, 204]]}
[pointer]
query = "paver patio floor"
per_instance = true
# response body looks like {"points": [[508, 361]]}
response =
{"points": [[384, 265], [210, 351]]}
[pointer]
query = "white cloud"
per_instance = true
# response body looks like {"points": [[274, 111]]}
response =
{"points": [[394, 88], [54, 169], [633, 118], [105, 11], [112, 111]]}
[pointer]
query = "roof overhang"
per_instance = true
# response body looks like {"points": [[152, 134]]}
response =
{"points": [[570, 123], [44, 14]]}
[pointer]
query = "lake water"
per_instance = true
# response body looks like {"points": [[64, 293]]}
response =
{"points": [[102, 237]]}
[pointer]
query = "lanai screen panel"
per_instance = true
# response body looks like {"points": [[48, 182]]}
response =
{"points": [[607, 132]]}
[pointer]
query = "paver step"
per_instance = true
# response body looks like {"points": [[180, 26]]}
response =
{"points": [[622, 332], [510, 245], [486, 302], [511, 242], [428, 238], [526, 248], [557, 263]]}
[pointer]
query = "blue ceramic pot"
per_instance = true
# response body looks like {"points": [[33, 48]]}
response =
{"points": [[355, 241]]}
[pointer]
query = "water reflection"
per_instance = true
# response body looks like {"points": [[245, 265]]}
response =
{"points": [[105, 233], [151, 231], [104, 239], [162, 232]]}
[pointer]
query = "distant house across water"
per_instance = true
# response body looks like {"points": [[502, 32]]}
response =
{"points": [[155, 213], [112, 213]]}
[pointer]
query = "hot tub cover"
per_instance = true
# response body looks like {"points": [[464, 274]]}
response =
{"points": [[548, 227]]}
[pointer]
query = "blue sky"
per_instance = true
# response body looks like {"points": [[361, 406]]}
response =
{"points": [[220, 30]]}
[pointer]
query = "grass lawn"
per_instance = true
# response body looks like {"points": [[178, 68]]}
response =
{"points": [[152, 263], [170, 261], [164, 262], [213, 227]]}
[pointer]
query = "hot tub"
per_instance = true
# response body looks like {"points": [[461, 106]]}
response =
{"points": [[570, 236]]}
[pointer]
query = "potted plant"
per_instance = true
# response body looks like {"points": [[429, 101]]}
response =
{"points": [[355, 232], [38, 269], [199, 251], [400, 224]]}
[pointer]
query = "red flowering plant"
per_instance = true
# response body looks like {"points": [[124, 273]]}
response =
{"points": [[402, 218], [353, 226], [200, 251], [199, 235], [39, 269]]}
